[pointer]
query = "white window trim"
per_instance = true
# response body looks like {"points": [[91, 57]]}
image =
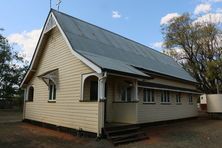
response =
{"points": [[162, 101], [152, 93], [178, 95], [27, 93], [53, 93], [190, 99], [125, 100]]}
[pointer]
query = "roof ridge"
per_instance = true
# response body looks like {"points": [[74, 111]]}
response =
{"points": [[111, 32]]}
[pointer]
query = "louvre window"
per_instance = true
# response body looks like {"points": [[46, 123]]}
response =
{"points": [[148, 95], [165, 96]]}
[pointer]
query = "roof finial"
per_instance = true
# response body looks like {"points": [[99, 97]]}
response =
{"points": [[50, 4], [58, 4]]}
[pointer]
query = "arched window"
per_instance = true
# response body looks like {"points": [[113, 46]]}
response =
{"points": [[30, 93]]}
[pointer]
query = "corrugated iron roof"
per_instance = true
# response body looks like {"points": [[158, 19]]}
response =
{"points": [[112, 51]]}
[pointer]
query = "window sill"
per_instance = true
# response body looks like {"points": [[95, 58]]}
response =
{"points": [[51, 101], [88, 100], [149, 102], [28, 101], [165, 103], [125, 101]]}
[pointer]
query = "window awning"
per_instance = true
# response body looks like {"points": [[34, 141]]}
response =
{"points": [[167, 87], [51, 75]]}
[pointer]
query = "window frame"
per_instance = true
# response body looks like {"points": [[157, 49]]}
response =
{"points": [[178, 98], [165, 97], [190, 99], [28, 94], [148, 96], [128, 94], [52, 91]]}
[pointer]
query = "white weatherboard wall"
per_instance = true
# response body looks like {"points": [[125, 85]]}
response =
{"points": [[160, 112], [67, 111]]}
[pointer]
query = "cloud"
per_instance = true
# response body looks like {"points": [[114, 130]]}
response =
{"points": [[202, 8], [157, 45], [116, 14], [168, 17], [26, 41], [215, 18], [219, 10], [214, 1]]}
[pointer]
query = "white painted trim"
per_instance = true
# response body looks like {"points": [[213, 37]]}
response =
{"points": [[35, 53], [83, 78], [83, 59], [27, 92], [54, 25], [169, 89], [136, 91], [24, 104], [139, 79]]}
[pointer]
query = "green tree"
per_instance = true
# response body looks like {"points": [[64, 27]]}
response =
{"points": [[197, 47], [12, 69]]}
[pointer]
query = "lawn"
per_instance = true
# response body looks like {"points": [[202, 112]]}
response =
{"points": [[201, 132]]}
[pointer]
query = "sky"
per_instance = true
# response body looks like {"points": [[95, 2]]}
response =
{"points": [[139, 20]]}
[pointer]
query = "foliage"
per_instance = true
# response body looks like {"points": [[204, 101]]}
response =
{"points": [[197, 46], [12, 69]]}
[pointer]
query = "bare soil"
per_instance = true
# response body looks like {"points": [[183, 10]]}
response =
{"points": [[201, 132]]}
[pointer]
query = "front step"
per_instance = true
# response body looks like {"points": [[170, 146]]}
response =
{"points": [[124, 134]]}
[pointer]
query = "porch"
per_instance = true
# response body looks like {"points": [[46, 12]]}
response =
{"points": [[125, 100], [118, 95]]}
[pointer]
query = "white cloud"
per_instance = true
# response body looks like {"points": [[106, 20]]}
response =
{"points": [[215, 18], [157, 45], [202, 8], [26, 41], [219, 10], [116, 14], [215, 1], [168, 17]]}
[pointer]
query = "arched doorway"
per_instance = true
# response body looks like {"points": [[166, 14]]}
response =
{"points": [[90, 88]]}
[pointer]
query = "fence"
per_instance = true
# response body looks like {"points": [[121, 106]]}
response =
{"points": [[11, 103]]}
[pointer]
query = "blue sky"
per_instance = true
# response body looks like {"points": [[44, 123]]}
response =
{"points": [[138, 20]]}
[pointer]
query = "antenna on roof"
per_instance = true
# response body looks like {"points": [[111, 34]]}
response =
{"points": [[58, 4]]}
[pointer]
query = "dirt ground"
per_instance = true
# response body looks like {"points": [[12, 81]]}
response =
{"points": [[195, 133]]}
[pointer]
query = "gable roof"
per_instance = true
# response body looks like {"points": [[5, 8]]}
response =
{"points": [[111, 51]]}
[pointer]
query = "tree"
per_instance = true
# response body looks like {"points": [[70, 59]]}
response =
{"points": [[197, 47], [12, 69]]}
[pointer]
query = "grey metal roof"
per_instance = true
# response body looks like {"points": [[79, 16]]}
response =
{"points": [[112, 51]]}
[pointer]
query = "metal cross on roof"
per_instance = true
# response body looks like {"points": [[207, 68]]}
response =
{"points": [[58, 4]]}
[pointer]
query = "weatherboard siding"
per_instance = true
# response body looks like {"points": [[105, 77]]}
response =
{"points": [[67, 111], [160, 112]]}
